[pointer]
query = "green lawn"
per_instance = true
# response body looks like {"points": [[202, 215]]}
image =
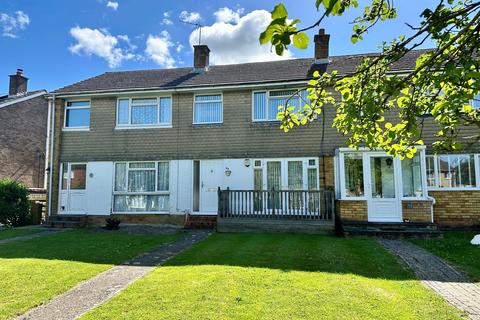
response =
{"points": [[455, 247], [34, 271], [18, 232], [232, 276]]}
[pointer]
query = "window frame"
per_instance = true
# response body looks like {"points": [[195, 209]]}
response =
{"points": [[267, 92], [195, 102], [141, 193], [68, 165], [476, 164], [67, 107], [476, 98], [129, 125]]}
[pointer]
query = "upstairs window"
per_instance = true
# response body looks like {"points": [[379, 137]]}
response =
{"points": [[208, 109], [140, 112], [77, 115], [266, 103]]}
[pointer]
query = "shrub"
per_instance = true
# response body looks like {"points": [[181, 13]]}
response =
{"points": [[14, 207], [112, 224]]}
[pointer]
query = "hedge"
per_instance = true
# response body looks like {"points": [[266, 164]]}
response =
{"points": [[14, 206]]}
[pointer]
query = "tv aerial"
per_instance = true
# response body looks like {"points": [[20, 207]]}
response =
{"points": [[199, 26]]}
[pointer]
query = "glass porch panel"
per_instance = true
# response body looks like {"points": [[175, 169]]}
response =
{"points": [[412, 177], [65, 176], [354, 186], [78, 175], [382, 177]]}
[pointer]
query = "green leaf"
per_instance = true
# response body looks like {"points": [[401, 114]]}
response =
{"points": [[300, 40], [279, 11]]}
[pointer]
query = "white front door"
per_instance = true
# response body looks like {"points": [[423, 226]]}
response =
{"points": [[211, 177], [72, 189], [383, 194]]}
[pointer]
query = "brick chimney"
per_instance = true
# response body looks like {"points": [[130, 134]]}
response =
{"points": [[321, 46], [201, 57], [18, 83]]}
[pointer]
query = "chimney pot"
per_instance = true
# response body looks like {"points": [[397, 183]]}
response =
{"points": [[321, 47], [201, 58], [18, 83]]}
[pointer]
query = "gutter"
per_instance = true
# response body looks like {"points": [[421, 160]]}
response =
{"points": [[52, 138]]}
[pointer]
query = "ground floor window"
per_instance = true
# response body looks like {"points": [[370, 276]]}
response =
{"points": [[412, 177], [353, 168], [141, 187], [452, 171]]}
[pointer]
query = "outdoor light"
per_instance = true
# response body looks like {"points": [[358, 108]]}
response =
{"points": [[246, 162], [228, 172]]}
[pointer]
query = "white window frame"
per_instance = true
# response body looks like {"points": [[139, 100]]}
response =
{"points": [[476, 162], [207, 94], [477, 99], [146, 193], [267, 92], [366, 153], [284, 170], [129, 125], [67, 107]]}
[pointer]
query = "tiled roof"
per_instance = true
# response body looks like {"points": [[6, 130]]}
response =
{"points": [[6, 100], [233, 74]]}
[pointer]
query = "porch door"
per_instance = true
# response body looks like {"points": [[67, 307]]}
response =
{"points": [[211, 177], [73, 186], [384, 204]]}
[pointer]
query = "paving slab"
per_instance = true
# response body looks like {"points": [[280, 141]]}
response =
{"points": [[103, 287], [435, 273]]}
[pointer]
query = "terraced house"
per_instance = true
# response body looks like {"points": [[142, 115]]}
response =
{"points": [[157, 145]]}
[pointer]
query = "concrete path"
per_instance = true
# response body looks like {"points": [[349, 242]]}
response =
{"points": [[439, 276], [30, 236], [101, 288]]}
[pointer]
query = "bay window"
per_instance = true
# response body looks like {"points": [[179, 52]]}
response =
{"points": [[266, 103], [77, 115], [208, 109], [144, 112], [142, 187]]}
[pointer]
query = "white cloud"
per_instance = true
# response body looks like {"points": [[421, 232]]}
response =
{"points": [[101, 43], [236, 43], [227, 15], [166, 18], [191, 17], [158, 49], [11, 24], [179, 47], [112, 4]]}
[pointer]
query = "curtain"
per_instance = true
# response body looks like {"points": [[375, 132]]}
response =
{"points": [[120, 176], [141, 180], [123, 106], [139, 203], [165, 110], [144, 114], [260, 106], [274, 175], [430, 171], [163, 176], [208, 108], [312, 179], [295, 175]]}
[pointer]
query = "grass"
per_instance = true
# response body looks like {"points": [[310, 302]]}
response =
{"points": [[34, 271], [17, 232], [232, 276], [455, 247]]}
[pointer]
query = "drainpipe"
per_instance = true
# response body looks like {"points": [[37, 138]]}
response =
{"points": [[47, 146], [433, 203], [52, 138]]}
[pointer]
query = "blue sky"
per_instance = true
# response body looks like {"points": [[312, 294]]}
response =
{"points": [[59, 42]]}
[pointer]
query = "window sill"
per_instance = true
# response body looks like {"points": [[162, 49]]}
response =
{"points": [[207, 125], [75, 129], [146, 212], [167, 126], [455, 189]]}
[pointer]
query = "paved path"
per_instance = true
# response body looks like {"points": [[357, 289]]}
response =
{"points": [[101, 288], [439, 276], [30, 236]]}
